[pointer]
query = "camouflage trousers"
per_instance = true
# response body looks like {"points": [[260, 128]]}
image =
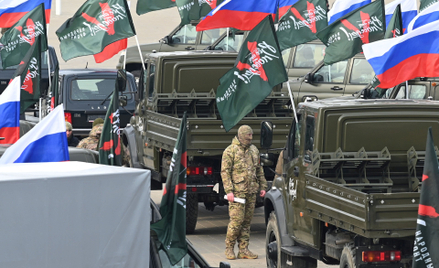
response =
{"points": [[240, 218]]}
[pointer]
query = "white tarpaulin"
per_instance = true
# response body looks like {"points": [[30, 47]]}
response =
{"points": [[74, 214]]}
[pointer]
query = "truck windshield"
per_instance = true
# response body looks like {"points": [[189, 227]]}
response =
{"points": [[94, 89], [308, 55], [230, 43]]}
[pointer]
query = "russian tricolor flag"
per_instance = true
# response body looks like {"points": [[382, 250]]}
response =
{"points": [[239, 14], [12, 10], [10, 112], [343, 7], [46, 142], [415, 54], [426, 16], [409, 10]]}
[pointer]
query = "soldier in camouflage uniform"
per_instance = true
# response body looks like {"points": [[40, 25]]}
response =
{"points": [[243, 177], [92, 141]]}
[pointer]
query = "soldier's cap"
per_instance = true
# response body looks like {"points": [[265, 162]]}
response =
{"points": [[68, 126], [98, 121], [244, 130]]}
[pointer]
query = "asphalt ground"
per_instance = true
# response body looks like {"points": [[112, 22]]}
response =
{"points": [[211, 228]]}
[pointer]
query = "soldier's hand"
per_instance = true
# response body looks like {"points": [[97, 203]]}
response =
{"points": [[262, 193], [230, 197]]}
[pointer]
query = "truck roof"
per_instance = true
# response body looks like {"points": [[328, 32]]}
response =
{"points": [[346, 103], [87, 71], [194, 53]]}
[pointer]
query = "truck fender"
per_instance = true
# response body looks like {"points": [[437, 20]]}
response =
{"points": [[273, 202], [129, 139]]}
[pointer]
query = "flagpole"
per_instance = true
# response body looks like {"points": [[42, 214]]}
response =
{"points": [[48, 69], [292, 102], [140, 53], [407, 89], [227, 40]]}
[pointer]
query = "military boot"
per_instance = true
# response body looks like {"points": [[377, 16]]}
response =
{"points": [[246, 254], [230, 255]]}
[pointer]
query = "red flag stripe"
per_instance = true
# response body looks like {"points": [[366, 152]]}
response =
{"points": [[427, 211], [180, 186]]}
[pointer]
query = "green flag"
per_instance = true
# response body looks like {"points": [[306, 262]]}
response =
{"points": [[193, 10], [344, 37], [394, 29], [171, 229], [109, 142], [426, 235], [30, 72], [145, 6], [423, 4], [258, 68], [301, 23], [95, 25], [18, 39]]}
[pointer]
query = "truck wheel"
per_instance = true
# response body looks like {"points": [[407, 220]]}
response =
{"points": [[191, 212], [272, 243], [347, 259]]}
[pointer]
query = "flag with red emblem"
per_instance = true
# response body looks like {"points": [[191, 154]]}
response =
{"points": [[344, 37], [258, 68], [109, 142], [29, 70], [171, 229], [18, 39], [95, 26], [303, 20], [427, 236]]}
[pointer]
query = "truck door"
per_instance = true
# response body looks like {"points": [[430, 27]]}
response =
{"points": [[184, 38], [326, 81], [300, 146]]}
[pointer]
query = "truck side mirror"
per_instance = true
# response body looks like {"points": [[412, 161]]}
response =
{"points": [[123, 100], [266, 134], [121, 80], [165, 40], [307, 78]]}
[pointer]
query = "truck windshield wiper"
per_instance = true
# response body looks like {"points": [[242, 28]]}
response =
{"points": [[111, 93]]}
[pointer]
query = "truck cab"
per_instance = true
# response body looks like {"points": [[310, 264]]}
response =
{"points": [[335, 80], [182, 38], [86, 95]]}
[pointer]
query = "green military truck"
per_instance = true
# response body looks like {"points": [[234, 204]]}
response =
{"points": [[179, 82], [349, 189]]}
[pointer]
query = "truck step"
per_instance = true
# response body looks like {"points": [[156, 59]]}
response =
{"points": [[295, 251]]}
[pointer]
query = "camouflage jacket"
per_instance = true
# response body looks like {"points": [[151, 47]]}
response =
{"points": [[241, 171], [92, 141]]}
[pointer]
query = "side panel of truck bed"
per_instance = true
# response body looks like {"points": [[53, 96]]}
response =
{"points": [[206, 134], [376, 215]]}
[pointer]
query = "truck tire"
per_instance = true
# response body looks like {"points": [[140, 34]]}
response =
{"points": [[273, 249], [347, 259], [191, 212], [272, 243]]}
